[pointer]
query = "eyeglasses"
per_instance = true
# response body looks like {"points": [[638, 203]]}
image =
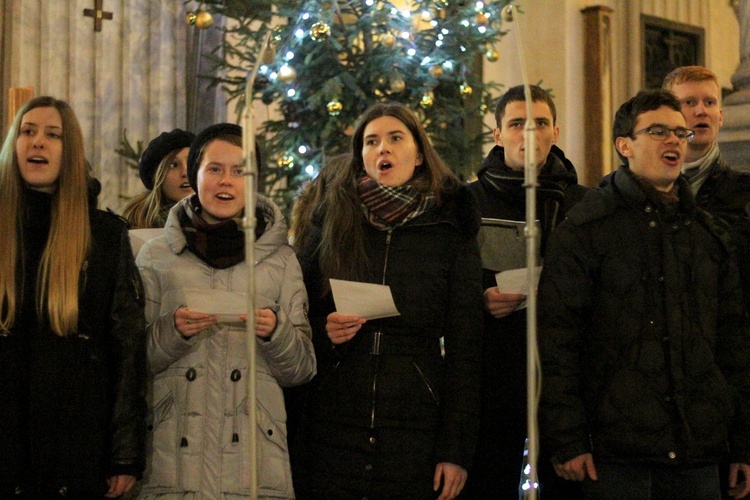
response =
{"points": [[660, 133]]}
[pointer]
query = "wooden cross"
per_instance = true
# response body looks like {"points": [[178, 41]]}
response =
{"points": [[98, 14]]}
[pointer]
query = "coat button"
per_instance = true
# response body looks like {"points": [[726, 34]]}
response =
{"points": [[63, 491], [18, 491], [672, 455], [373, 440], [652, 223], [648, 209], [368, 467]]}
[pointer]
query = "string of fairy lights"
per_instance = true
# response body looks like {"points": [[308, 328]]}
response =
{"points": [[426, 50]]}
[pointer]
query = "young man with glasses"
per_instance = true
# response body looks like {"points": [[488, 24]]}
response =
{"points": [[722, 192], [642, 332]]}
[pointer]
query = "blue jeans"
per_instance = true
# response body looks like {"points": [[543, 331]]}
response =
{"points": [[631, 482]]}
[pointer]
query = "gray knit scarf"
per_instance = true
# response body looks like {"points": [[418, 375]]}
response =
{"points": [[698, 171]]}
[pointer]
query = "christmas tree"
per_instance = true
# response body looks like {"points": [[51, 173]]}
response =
{"points": [[335, 58]]}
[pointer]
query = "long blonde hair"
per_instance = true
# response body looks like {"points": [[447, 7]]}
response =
{"points": [[145, 210], [69, 237]]}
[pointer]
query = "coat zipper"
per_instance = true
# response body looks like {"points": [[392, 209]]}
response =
{"points": [[377, 358]]}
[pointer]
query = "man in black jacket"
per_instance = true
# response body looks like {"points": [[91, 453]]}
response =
{"points": [[501, 195], [717, 188], [642, 331]]}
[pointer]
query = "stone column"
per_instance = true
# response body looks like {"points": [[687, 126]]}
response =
{"points": [[734, 138]]}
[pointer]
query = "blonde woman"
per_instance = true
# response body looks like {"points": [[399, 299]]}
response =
{"points": [[163, 171], [72, 343]]}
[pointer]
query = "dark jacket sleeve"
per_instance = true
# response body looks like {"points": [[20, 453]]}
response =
{"points": [[732, 355], [128, 357], [565, 295], [460, 411]]}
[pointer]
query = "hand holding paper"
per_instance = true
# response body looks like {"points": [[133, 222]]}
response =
{"points": [[515, 281]]}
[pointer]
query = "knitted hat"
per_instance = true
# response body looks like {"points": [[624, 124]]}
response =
{"points": [[196, 148], [157, 149]]}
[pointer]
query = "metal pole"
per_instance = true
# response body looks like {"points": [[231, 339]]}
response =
{"points": [[531, 487], [249, 224]]}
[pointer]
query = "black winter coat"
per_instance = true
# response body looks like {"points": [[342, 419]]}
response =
{"points": [[376, 425], [73, 409], [725, 193], [501, 195], [642, 333]]}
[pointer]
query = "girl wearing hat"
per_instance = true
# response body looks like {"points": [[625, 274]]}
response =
{"points": [[390, 415], [72, 343], [163, 170], [200, 426]]}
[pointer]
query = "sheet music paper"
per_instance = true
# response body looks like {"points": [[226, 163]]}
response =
{"points": [[140, 236], [503, 245], [366, 300]]}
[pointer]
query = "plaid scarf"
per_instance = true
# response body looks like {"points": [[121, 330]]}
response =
{"points": [[219, 245], [390, 206]]}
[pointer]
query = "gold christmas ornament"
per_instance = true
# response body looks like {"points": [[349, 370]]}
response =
{"points": [[465, 89], [481, 19], [190, 18], [334, 107], [285, 161], [428, 99], [320, 31], [492, 54], [203, 19], [398, 84], [388, 40], [484, 108], [436, 71], [287, 74], [507, 13]]}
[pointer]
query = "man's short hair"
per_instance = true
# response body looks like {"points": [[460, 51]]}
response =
{"points": [[688, 74], [517, 94], [645, 100]]}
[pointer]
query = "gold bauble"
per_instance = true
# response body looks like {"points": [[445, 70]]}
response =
{"points": [[465, 89], [287, 74], [203, 19], [388, 40], [190, 18], [398, 84], [483, 108], [320, 31], [507, 13], [428, 99], [285, 161], [481, 19], [334, 107], [492, 54], [436, 71]]}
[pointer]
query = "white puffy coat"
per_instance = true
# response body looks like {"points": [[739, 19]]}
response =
{"points": [[199, 421]]}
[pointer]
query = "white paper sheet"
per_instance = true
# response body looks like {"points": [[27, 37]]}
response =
{"points": [[226, 306], [514, 281], [366, 300], [140, 236]]}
